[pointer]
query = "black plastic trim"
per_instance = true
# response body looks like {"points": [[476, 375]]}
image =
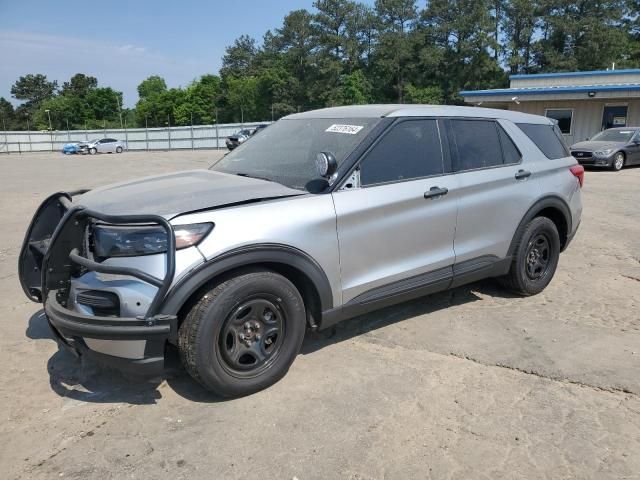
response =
{"points": [[545, 202], [425, 284], [246, 256]]}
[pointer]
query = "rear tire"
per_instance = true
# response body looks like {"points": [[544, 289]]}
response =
{"points": [[119, 150], [618, 162], [243, 334], [535, 258]]}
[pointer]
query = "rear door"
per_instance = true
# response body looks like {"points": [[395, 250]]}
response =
{"points": [[494, 191], [396, 229]]}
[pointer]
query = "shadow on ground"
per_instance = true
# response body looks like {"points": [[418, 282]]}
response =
{"points": [[85, 380]]}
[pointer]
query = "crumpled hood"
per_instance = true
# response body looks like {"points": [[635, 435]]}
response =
{"points": [[591, 146], [173, 194]]}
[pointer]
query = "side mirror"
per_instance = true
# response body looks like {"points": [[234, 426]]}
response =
{"points": [[326, 164]]}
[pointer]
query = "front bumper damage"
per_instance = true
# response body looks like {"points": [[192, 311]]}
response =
{"points": [[55, 251]]}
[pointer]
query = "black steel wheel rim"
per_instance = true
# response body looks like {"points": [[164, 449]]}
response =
{"points": [[538, 257], [252, 335]]}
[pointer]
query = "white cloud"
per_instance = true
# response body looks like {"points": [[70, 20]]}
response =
{"points": [[121, 67]]}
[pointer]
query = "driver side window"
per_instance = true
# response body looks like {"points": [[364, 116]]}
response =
{"points": [[409, 151]]}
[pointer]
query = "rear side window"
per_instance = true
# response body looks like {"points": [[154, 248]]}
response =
{"points": [[547, 138], [410, 150], [477, 144], [510, 152]]}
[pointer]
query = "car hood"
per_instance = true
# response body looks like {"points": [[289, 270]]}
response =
{"points": [[591, 146], [181, 192]]}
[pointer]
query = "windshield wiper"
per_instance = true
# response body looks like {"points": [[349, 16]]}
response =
{"points": [[240, 174]]}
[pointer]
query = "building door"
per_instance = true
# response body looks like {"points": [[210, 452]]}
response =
{"points": [[614, 116]]}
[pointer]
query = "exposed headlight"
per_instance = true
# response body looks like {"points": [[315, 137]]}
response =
{"points": [[604, 153], [131, 241]]}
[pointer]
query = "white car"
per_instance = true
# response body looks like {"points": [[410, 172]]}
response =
{"points": [[105, 145]]}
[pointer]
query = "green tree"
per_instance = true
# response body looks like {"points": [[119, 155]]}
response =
{"points": [[148, 106], [7, 114], [394, 54], [34, 89], [355, 89], [202, 96], [79, 85], [242, 97], [581, 35], [238, 58], [153, 85], [427, 95]]}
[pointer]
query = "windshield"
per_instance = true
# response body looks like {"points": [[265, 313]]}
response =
{"points": [[286, 151], [614, 136]]}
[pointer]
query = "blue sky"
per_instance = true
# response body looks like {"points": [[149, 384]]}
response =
{"points": [[122, 42]]}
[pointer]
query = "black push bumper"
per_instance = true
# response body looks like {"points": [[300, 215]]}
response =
{"points": [[53, 253]]}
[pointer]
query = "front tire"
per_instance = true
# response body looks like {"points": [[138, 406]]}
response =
{"points": [[535, 258], [618, 162], [243, 335], [93, 151]]}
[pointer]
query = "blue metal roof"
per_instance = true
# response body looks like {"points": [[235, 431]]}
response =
{"points": [[550, 90], [575, 74]]}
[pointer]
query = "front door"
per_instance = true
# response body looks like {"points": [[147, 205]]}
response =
{"points": [[614, 116], [396, 229]]}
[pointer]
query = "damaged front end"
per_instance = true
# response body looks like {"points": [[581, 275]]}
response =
{"points": [[56, 250]]}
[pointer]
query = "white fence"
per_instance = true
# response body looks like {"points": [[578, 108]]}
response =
{"points": [[174, 138]]}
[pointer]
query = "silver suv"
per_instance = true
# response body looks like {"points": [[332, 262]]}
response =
{"points": [[324, 215]]}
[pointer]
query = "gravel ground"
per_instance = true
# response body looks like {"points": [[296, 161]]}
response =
{"points": [[471, 383]]}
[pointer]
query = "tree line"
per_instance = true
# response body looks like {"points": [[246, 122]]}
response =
{"points": [[345, 52]]}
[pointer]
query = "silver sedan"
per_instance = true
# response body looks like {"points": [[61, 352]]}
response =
{"points": [[105, 145]]}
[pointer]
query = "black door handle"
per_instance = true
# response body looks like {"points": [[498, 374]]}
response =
{"points": [[522, 174], [435, 192]]}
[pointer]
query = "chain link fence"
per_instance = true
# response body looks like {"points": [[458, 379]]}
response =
{"points": [[167, 138]]}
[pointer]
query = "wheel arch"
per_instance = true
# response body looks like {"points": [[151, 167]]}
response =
{"points": [[556, 210], [295, 265]]}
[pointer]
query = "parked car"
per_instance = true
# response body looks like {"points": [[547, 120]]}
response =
{"points": [[105, 145], [259, 128], [613, 148], [238, 138], [335, 213]]}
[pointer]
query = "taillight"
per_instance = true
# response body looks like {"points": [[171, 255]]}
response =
{"points": [[578, 172]]}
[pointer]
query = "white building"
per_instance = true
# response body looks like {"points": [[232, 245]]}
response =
{"points": [[583, 103]]}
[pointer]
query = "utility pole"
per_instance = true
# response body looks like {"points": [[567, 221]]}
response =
{"points": [[4, 129], [146, 130], [191, 130], [50, 128], [119, 110], [272, 112], [217, 135], [29, 132], [169, 130], [68, 135]]}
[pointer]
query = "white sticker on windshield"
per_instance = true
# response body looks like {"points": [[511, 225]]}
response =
{"points": [[349, 129]]}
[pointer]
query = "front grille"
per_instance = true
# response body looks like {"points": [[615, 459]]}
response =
{"points": [[104, 304], [580, 155]]}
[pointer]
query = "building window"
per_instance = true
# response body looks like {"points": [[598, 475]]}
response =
{"points": [[563, 116]]}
